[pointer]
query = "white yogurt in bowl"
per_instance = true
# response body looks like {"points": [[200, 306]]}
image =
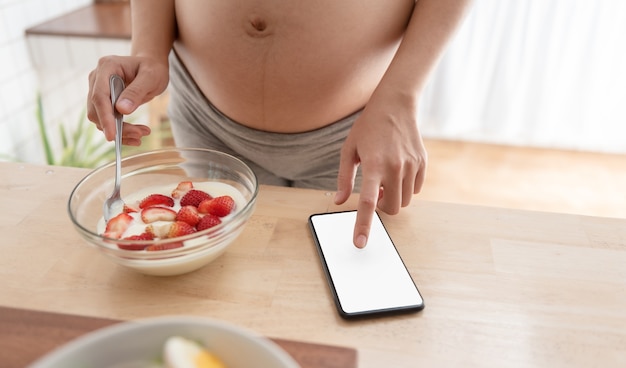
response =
{"points": [[171, 262], [215, 189]]}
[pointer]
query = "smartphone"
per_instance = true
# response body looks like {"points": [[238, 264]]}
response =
{"points": [[364, 282]]}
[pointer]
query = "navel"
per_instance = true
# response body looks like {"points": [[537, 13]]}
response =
{"points": [[257, 26]]}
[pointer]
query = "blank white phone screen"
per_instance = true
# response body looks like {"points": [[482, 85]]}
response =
{"points": [[364, 280]]}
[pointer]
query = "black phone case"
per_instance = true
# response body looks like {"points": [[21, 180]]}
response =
{"points": [[365, 314]]}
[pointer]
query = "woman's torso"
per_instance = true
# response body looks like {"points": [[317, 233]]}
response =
{"points": [[289, 66]]}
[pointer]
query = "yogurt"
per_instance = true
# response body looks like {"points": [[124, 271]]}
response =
{"points": [[215, 189]]}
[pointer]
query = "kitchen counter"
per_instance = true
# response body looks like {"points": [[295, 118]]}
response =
{"points": [[502, 287]]}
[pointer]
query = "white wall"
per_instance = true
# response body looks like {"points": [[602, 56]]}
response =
{"points": [[63, 65], [54, 66], [20, 80]]}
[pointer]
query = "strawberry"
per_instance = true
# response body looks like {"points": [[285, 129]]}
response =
{"points": [[166, 246], [153, 214], [208, 221], [129, 209], [194, 197], [188, 214], [117, 225], [218, 206], [156, 200], [182, 188], [180, 228], [142, 236]]}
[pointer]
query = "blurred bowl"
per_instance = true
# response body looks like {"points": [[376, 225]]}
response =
{"points": [[139, 344], [165, 168]]}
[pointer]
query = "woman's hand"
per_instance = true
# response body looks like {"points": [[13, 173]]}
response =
{"points": [[387, 145], [144, 77]]}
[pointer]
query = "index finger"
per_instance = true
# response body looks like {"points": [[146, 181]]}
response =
{"points": [[366, 207]]}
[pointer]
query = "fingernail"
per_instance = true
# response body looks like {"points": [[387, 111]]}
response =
{"points": [[338, 196], [125, 104], [361, 241]]}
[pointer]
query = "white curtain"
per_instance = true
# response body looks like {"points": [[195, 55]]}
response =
{"points": [[548, 73]]}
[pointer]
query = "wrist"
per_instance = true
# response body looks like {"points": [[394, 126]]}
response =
{"points": [[396, 96]]}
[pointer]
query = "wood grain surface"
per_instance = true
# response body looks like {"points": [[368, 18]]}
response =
{"points": [[502, 287], [26, 335]]}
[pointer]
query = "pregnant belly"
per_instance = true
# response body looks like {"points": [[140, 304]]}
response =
{"points": [[289, 70]]}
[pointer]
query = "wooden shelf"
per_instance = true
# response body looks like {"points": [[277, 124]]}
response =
{"points": [[98, 20]]}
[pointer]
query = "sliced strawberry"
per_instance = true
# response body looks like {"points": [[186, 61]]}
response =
{"points": [[156, 200], [142, 236], [153, 214], [188, 214], [166, 246], [117, 225], [129, 209], [180, 228], [218, 206], [208, 221], [194, 197], [182, 188], [132, 246]]}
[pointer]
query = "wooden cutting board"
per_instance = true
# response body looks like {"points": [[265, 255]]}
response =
{"points": [[26, 335]]}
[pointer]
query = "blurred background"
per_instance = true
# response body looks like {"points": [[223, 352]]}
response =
{"points": [[525, 108]]}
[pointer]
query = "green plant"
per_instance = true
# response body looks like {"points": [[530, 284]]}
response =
{"points": [[84, 147]]}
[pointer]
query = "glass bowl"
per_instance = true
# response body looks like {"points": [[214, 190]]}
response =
{"points": [[165, 168]]}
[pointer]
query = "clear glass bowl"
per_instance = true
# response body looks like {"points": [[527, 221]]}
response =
{"points": [[166, 167]]}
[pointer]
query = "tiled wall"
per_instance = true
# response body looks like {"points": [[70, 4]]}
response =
{"points": [[56, 67], [62, 66]]}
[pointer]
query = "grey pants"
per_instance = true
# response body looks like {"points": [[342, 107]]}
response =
{"points": [[304, 160]]}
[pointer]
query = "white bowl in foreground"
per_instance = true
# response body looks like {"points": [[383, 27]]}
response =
{"points": [[139, 344]]}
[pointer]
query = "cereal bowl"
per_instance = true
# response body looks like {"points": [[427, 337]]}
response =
{"points": [[162, 173]]}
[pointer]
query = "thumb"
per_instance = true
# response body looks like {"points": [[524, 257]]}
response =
{"points": [[125, 105], [136, 92]]}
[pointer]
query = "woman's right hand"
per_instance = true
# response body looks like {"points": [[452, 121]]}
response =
{"points": [[145, 78]]}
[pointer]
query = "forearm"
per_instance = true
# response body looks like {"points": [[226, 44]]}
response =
{"points": [[153, 28], [431, 26]]}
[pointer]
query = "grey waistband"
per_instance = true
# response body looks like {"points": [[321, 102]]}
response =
{"points": [[292, 156]]}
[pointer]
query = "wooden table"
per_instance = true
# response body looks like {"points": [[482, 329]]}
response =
{"points": [[503, 288]]}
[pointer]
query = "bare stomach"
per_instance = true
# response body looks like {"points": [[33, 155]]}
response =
{"points": [[289, 67]]}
